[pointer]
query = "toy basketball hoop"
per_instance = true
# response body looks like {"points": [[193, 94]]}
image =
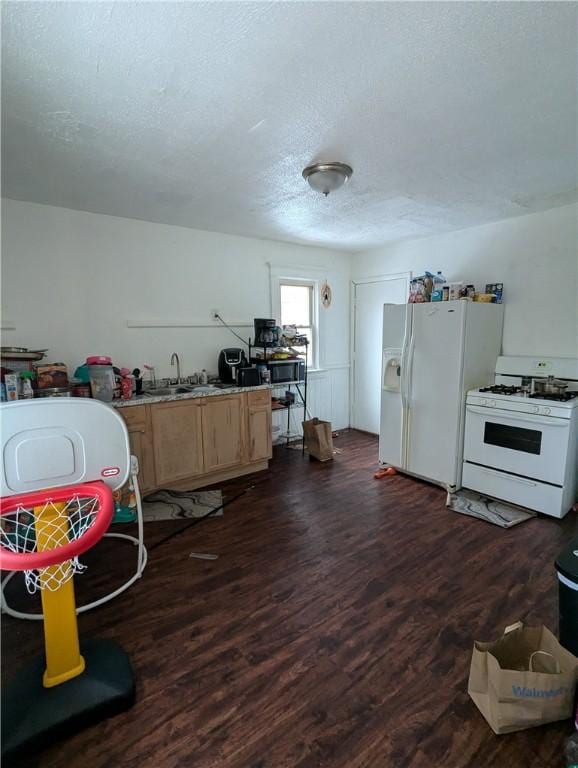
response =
{"points": [[60, 462], [57, 442], [43, 533]]}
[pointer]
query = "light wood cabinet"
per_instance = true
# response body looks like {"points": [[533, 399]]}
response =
{"points": [[198, 441], [177, 439], [139, 427], [223, 432], [259, 426]]}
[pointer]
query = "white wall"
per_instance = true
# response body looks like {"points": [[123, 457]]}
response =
{"points": [[535, 256], [71, 281]]}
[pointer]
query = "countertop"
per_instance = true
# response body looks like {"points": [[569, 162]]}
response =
{"points": [[149, 400]]}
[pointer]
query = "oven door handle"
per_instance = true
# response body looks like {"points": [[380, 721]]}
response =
{"points": [[521, 480], [549, 421]]}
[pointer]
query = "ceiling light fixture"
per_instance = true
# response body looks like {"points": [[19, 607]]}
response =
{"points": [[327, 177]]}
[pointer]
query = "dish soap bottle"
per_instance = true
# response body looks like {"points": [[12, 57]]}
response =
{"points": [[203, 377]]}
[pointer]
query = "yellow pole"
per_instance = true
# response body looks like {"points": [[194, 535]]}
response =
{"points": [[63, 658]]}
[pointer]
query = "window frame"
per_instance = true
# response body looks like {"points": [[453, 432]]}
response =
{"points": [[313, 285]]}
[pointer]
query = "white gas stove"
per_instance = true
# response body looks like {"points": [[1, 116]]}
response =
{"points": [[521, 446]]}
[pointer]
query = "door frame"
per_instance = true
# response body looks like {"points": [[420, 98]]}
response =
{"points": [[352, 286]]}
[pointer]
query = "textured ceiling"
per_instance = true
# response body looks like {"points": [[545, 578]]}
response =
{"points": [[204, 114]]}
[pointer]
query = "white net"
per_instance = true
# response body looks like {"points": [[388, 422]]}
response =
{"points": [[48, 527]]}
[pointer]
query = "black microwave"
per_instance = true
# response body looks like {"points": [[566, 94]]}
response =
{"points": [[283, 371]]}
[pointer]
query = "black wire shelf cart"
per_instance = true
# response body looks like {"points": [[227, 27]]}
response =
{"points": [[300, 387]]}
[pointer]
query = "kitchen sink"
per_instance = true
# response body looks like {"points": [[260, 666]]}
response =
{"points": [[183, 389], [216, 385], [162, 391]]}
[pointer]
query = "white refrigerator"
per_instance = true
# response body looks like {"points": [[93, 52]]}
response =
{"points": [[432, 355]]}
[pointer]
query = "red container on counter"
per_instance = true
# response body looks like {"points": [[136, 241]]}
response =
{"points": [[99, 360], [126, 388], [125, 384]]}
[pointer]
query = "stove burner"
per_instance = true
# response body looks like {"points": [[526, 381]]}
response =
{"points": [[562, 397], [501, 389]]}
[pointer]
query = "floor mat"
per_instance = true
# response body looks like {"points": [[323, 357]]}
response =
{"points": [[173, 505], [497, 512]]}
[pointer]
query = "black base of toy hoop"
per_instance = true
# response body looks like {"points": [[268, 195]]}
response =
{"points": [[34, 717]]}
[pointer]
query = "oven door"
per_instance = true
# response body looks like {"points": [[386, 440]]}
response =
{"points": [[519, 443]]}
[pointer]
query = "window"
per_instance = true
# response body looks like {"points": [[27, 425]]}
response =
{"points": [[298, 308]]}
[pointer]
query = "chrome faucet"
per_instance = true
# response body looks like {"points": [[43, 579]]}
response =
{"points": [[175, 357]]}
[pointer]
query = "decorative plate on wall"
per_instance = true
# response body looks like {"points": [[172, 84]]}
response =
{"points": [[326, 295]]}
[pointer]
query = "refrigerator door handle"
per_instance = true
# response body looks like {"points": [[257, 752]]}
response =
{"points": [[402, 378], [409, 368], [404, 357], [405, 398]]}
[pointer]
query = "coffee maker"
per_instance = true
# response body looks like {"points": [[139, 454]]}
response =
{"points": [[266, 332], [230, 360]]}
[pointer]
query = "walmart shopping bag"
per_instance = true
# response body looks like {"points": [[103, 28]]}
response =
{"points": [[525, 678]]}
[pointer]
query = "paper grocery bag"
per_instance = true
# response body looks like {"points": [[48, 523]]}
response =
{"points": [[319, 439], [525, 678]]}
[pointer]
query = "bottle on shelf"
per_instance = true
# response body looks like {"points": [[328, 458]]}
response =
{"points": [[26, 389]]}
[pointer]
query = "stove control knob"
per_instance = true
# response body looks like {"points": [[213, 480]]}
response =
{"points": [[492, 403], [535, 409], [547, 411], [484, 401]]}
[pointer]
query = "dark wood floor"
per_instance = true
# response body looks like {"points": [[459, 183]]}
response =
{"points": [[334, 629]]}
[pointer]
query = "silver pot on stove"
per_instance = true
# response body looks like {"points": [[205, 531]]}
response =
{"points": [[550, 386]]}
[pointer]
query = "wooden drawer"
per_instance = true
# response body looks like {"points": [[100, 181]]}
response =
{"points": [[261, 397], [134, 415]]}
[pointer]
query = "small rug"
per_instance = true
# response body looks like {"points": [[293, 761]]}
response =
{"points": [[497, 512], [175, 505]]}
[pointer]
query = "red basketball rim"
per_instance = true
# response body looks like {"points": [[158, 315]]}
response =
{"points": [[28, 561]]}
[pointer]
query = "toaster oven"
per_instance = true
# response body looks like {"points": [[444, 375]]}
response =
{"points": [[248, 377]]}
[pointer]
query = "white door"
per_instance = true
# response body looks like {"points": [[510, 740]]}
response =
{"points": [[435, 396], [369, 298]]}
